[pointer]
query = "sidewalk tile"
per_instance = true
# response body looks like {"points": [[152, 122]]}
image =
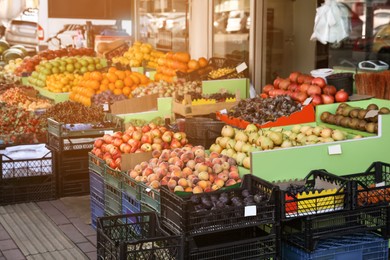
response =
{"points": [[85, 229], [71, 232], [14, 254], [86, 247], [92, 239], [7, 244], [92, 256]]}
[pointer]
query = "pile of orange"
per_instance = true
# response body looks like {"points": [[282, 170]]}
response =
{"points": [[117, 81], [171, 62], [64, 82]]}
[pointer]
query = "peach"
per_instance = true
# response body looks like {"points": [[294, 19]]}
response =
{"points": [[203, 184], [147, 171], [173, 167], [177, 173], [153, 162], [201, 167], [217, 168], [172, 184], [155, 184], [138, 178], [233, 168], [173, 154], [163, 165], [133, 174], [234, 175], [152, 177], [178, 188], [230, 182], [187, 171], [212, 177], [164, 155], [225, 166], [223, 176], [195, 180], [191, 164], [199, 152], [188, 189], [208, 189], [164, 181], [203, 176], [215, 187], [214, 155], [219, 182], [179, 163], [156, 153], [216, 160], [197, 189], [183, 182], [138, 168], [144, 179], [144, 165], [199, 159]]}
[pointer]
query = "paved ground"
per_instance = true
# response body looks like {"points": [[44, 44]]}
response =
{"points": [[57, 229]]}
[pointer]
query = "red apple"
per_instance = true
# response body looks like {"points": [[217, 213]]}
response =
{"points": [[98, 142], [146, 138], [294, 76], [146, 147]]}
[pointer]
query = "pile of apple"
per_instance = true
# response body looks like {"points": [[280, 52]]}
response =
{"points": [[188, 169], [301, 86], [238, 144], [136, 139]]}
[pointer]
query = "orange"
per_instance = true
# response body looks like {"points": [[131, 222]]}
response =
{"points": [[203, 62], [144, 79], [135, 79], [126, 90], [120, 74], [96, 75], [112, 69], [119, 84], [93, 84], [128, 73], [105, 81], [117, 91], [111, 86], [103, 87], [128, 82], [87, 75], [112, 77]]}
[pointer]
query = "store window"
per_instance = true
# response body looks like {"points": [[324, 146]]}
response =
{"points": [[164, 24], [231, 26]]}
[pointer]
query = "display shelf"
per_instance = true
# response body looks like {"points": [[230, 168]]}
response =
{"points": [[231, 85]]}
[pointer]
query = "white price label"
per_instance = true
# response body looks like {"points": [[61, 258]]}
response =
{"points": [[147, 74], [334, 149], [250, 211], [307, 101], [380, 184], [109, 132], [106, 107], [223, 111], [241, 67], [148, 189]]}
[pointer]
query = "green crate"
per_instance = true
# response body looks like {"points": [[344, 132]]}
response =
{"points": [[130, 186], [150, 197], [113, 177], [112, 200], [63, 130], [96, 164]]}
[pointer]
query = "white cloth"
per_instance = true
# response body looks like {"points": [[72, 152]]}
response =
{"points": [[331, 24]]}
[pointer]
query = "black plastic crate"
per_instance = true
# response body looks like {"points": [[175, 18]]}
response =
{"points": [[94, 129], [372, 187], [319, 192], [203, 131], [136, 236], [72, 172], [180, 214], [27, 180], [246, 243], [306, 232], [59, 144]]}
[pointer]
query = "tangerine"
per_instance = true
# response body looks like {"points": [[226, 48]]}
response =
{"points": [[119, 84]]}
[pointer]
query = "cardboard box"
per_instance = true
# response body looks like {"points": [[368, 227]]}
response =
{"points": [[231, 85], [109, 39], [130, 160]]}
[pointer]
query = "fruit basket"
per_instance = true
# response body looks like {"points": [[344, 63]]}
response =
{"points": [[320, 192], [371, 187], [110, 123], [195, 214], [202, 131], [112, 191], [305, 233], [136, 236]]}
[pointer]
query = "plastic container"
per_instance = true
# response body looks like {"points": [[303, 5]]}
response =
{"points": [[68, 144], [371, 187], [27, 180], [321, 73], [325, 192], [342, 81], [96, 196], [112, 200], [96, 164], [306, 232], [136, 236], [97, 211], [181, 216], [130, 205], [353, 246], [241, 244], [150, 197], [72, 173], [202, 131]]}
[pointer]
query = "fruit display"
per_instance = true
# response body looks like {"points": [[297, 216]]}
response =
{"points": [[200, 99], [19, 97], [63, 82], [262, 110], [4, 87], [238, 144], [70, 112], [225, 73], [12, 65], [355, 117], [106, 97], [141, 122], [76, 65], [137, 54], [165, 89], [187, 169], [19, 126], [29, 63], [300, 86], [171, 63], [148, 138], [119, 82]]}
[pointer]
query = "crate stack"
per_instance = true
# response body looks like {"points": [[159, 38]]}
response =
{"points": [[338, 217], [70, 145], [96, 187], [240, 230]]}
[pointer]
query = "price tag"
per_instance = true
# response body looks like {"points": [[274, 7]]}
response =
{"points": [[148, 189], [109, 132], [250, 211], [241, 67], [380, 184], [223, 111], [334, 149], [371, 113], [106, 107], [307, 101], [147, 74]]}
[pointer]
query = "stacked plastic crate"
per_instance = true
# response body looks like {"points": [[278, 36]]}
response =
{"points": [[96, 188], [237, 223], [331, 217]]}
